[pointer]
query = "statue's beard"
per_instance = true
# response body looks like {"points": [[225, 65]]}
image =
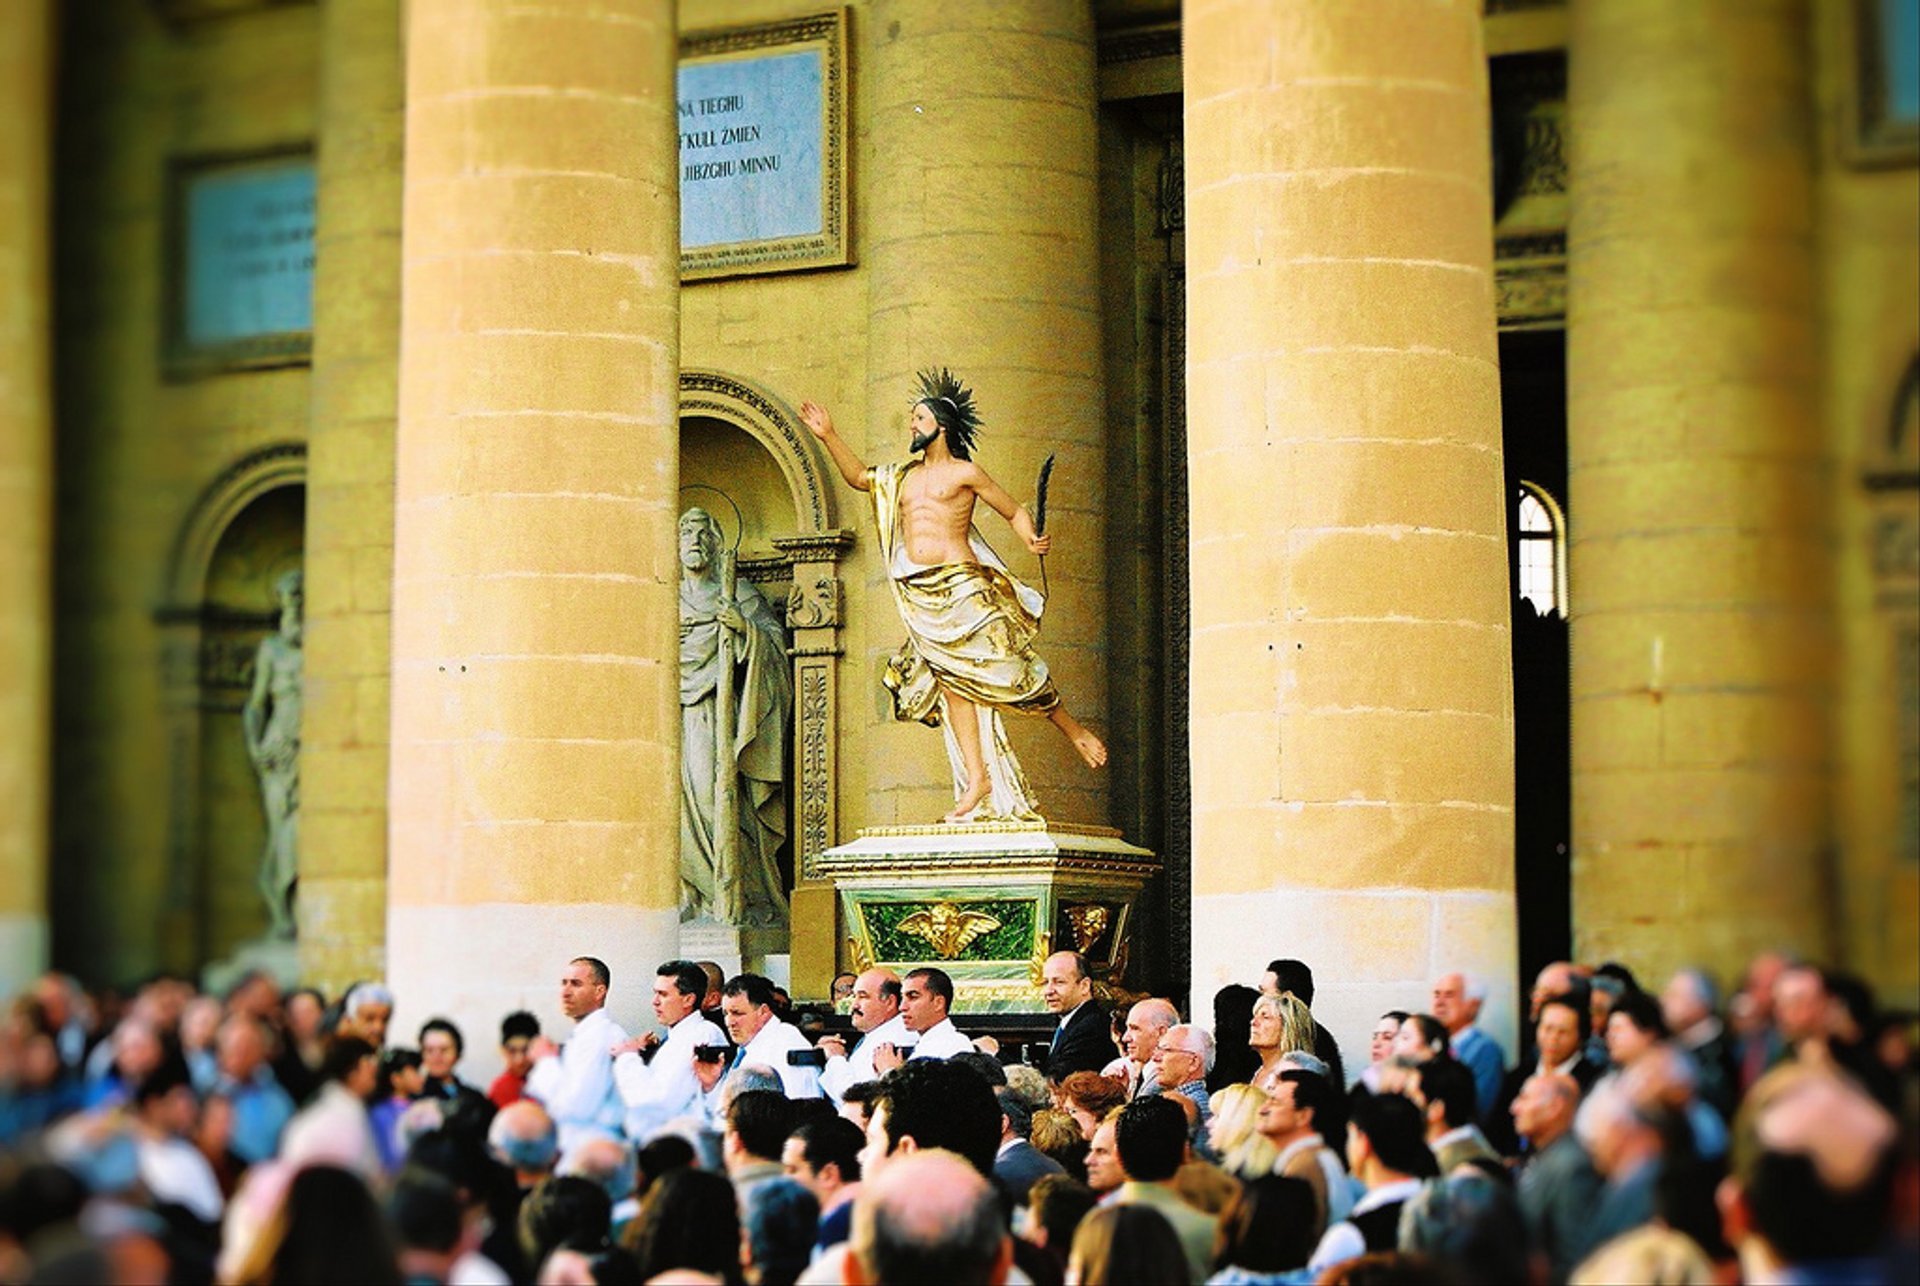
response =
{"points": [[921, 441]]}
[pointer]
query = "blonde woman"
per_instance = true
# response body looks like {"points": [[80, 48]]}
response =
{"points": [[1282, 1025], [1243, 1151]]}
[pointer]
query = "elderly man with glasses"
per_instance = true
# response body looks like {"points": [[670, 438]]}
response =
{"points": [[1180, 1063]]}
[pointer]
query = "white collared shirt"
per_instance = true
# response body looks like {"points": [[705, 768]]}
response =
{"points": [[842, 1074], [769, 1048], [577, 1088], [659, 1091], [1344, 1240], [942, 1040]]}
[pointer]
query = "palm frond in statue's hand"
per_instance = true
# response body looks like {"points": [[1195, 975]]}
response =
{"points": [[1040, 515]]}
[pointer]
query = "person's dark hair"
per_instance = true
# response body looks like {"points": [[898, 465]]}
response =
{"points": [[986, 1064], [940, 1105], [1233, 1061], [458, 1155], [445, 1025], [1582, 1011], [935, 981], [660, 1155], [690, 1219], [332, 1231], [319, 997], [1270, 1226], [1470, 1224], [890, 989], [1397, 1133], [1014, 1108], [424, 1210], [951, 404], [392, 1063], [1151, 1138], [517, 1024], [564, 1213], [1058, 1203], [1643, 1011], [761, 1120], [596, 967], [1398, 1015], [1805, 1220], [781, 1220], [689, 979], [832, 1140], [1856, 996], [344, 1053], [1388, 1268], [757, 990], [1433, 1032], [1293, 976], [1684, 1201], [1312, 1092], [862, 1093], [163, 1080], [1128, 1245], [1449, 1082], [1619, 973]]}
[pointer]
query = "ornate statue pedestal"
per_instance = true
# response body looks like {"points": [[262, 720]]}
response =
{"points": [[988, 902]]}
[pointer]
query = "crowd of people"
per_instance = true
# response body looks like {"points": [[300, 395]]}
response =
{"points": [[1641, 1136]]}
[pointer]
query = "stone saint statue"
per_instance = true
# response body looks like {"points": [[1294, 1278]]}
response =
{"points": [[970, 624], [271, 720], [736, 697]]}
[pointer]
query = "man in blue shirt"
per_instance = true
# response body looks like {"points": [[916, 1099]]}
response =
{"points": [[261, 1109], [1457, 998]]}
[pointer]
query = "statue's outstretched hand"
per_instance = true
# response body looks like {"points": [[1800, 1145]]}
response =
{"points": [[815, 417]]}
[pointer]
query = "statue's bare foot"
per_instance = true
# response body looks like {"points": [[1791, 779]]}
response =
{"points": [[968, 801], [1091, 748]]}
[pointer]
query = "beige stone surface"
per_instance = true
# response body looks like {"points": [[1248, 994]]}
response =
{"points": [[1699, 510], [1352, 722], [350, 492], [26, 488], [534, 695]]}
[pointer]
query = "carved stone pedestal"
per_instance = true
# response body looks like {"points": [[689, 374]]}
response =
{"points": [[988, 903]]}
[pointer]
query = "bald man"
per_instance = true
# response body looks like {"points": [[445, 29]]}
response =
{"points": [[928, 1217], [875, 1009], [1147, 1022], [1558, 1188], [1080, 1041]]}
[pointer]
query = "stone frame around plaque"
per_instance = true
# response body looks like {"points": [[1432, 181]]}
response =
{"points": [[1874, 133], [830, 244], [185, 355]]}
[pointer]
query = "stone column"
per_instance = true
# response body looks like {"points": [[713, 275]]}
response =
{"points": [[349, 548], [1700, 541], [535, 734], [1352, 721], [982, 255], [26, 489]]}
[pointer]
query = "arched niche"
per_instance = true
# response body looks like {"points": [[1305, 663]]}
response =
{"points": [[748, 442], [244, 531]]}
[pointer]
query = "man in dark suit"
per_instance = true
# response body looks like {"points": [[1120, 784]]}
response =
{"points": [[1019, 1164], [1081, 1041], [1293, 976]]}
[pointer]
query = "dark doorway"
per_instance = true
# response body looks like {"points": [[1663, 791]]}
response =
{"points": [[1533, 391]]}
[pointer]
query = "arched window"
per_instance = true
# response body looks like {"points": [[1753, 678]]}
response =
{"points": [[1541, 536]]}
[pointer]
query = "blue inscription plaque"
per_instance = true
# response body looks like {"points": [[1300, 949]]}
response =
{"points": [[762, 123], [243, 264]]}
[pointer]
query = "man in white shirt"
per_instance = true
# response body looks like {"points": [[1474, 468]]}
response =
{"points": [[1387, 1152], [876, 1016], [747, 1005], [655, 1077], [575, 1083], [173, 1170], [924, 999]]}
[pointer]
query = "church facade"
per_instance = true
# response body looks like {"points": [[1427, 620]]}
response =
{"points": [[1486, 498]]}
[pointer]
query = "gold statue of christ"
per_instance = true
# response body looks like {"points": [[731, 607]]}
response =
{"points": [[970, 622]]}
